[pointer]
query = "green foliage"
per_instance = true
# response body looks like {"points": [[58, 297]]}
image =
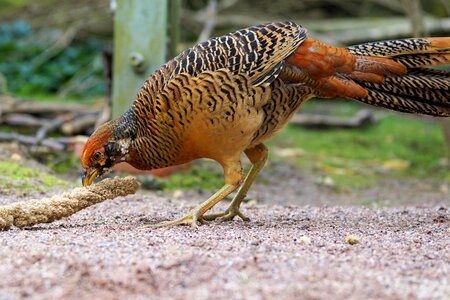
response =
{"points": [[197, 177], [63, 163], [399, 145], [11, 5], [16, 176], [29, 71]]}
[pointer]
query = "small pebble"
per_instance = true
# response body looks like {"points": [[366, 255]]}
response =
{"points": [[352, 239], [252, 202], [177, 194], [304, 240]]}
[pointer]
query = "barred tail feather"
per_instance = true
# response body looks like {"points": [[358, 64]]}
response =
{"points": [[394, 48], [424, 88], [421, 90], [404, 104], [423, 59]]}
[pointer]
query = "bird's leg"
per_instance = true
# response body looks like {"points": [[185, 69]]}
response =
{"points": [[258, 157], [233, 177], [196, 215]]}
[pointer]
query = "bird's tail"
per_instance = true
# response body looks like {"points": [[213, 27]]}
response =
{"points": [[421, 89], [393, 74]]}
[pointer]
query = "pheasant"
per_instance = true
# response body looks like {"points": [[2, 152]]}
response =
{"points": [[229, 94]]}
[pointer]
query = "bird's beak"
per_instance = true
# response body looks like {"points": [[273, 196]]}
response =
{"points": [[89, 176]]}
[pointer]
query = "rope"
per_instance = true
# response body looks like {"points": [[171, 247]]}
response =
{"points": [[32, 212]]}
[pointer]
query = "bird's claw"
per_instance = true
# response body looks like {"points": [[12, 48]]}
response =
{"points": [[228, 215], [193, 218]]}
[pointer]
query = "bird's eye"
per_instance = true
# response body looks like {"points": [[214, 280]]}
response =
{"points": [[97, 155]]}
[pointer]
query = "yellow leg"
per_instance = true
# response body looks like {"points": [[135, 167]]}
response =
{"points": [[196, 215], [258, 157], [233, 176]]}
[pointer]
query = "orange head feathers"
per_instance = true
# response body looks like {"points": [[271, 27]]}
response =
{"points": [[108, 145], [94, 145]]}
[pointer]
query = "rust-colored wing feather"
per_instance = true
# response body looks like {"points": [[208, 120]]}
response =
{"points": [[390, 74]]}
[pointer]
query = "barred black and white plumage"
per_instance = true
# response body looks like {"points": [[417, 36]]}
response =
{"points": [[421, 89]]}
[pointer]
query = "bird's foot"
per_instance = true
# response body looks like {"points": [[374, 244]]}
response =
{"points": [[228, 215], [193, 218]]}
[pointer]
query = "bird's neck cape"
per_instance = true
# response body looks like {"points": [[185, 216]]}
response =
{"points": [[125, 127]]}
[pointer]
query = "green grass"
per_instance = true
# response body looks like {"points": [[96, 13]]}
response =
{"points": [[63, 163], [203, 176], [398, 145], [57, 99], [17, 176]]}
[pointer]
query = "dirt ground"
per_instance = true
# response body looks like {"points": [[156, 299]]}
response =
{"points": [[293, 249]]}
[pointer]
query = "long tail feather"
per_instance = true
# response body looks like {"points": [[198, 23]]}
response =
{"points": [[420, 90], [402, 47], [423, 59], [390, 74], [404, 104]]}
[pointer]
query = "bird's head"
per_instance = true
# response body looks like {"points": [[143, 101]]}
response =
{"points": [[107, 146]]}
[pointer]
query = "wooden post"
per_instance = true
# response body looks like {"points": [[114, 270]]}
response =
{"points": [[174, 22], [140, 39]]}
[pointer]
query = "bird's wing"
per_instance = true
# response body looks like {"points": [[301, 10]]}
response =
{"points": [[257, 52]]}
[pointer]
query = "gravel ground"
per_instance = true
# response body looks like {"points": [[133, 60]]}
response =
{"points": [[286, 251], [295, 246]]}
